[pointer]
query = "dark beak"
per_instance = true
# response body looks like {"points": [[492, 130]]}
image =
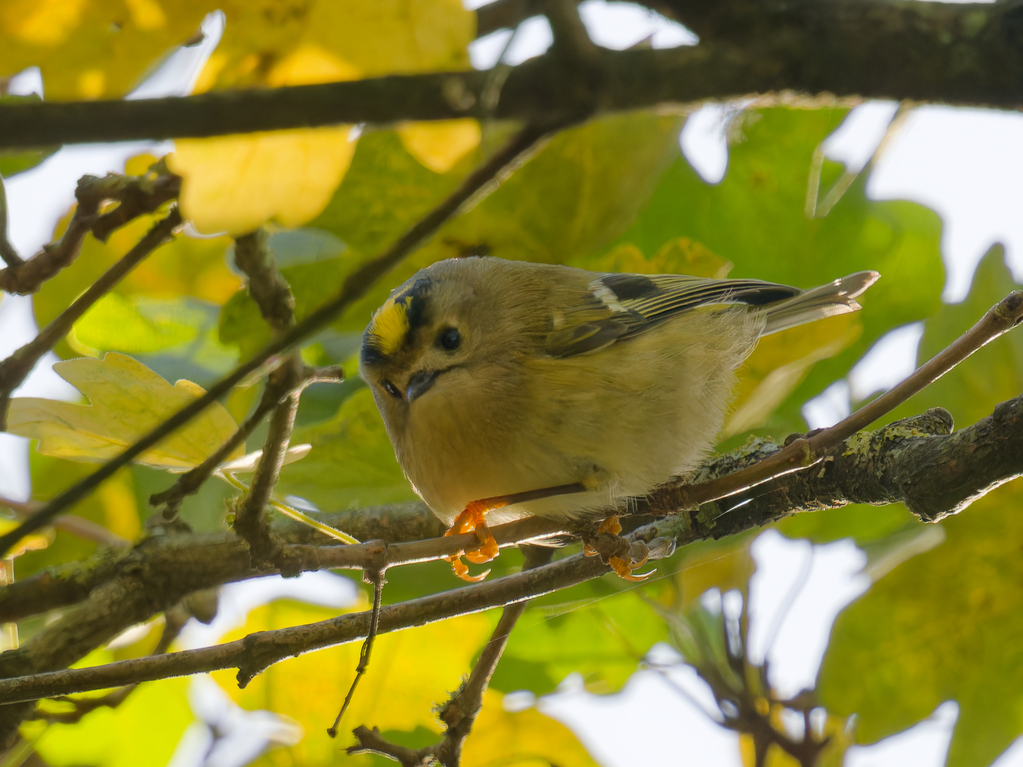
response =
{"points": [[419, 384]]}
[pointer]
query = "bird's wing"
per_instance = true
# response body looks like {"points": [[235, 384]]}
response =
{"points": [[619, 306]]}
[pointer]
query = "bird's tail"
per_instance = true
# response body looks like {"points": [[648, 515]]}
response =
{"points": [[838, 297]]}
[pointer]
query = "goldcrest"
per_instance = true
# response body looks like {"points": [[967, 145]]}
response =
{"points": [[512, 389]]}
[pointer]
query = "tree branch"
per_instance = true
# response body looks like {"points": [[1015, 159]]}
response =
{"points": [[870, 468], [922, 51]]}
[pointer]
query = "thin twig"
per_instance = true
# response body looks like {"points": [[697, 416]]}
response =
{"points": [[136, 194], [80, 527], [175, 620], [191, 481], [485, 177], [276, 303], [7, 251], [462, 709], [377, 578], [15, 368]]}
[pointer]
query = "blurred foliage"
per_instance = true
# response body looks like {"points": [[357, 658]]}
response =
{"points": [[944, 625], [613, 194]]}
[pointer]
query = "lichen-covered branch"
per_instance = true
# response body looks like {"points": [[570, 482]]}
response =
{"points": [[871, 468]]}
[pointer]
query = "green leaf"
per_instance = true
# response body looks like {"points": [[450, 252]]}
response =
{"points": [[351, 464], [756, 219], [603, 640], [134, 327], [945, 625]]}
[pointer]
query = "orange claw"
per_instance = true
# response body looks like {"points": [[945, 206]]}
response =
{"points": [[610, 526], [473, 519], [624, 568], [462, 570]]}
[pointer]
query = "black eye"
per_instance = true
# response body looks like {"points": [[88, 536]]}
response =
{"points": [[450, 339], [391, 389]]}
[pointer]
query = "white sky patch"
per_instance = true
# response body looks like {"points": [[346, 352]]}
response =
{"points": [[829, 407], [704, 142], [796, 647], [622, 25], [888, 362], [967, 164]]}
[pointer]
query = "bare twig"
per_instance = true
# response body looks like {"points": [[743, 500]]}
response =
{"points": [[462, 709], [80, 527], [136, 194], [7, 251], [484, 178], [276, 303], [15, 368], [267, 286], [251, 521], [505, 14], [175, 620], [377, 578]]}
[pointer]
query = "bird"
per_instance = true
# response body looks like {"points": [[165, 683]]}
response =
{"points": [[511, 388]]}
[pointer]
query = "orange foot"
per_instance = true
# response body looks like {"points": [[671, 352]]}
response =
{"points": [[473, 519], [624, 567], [609, 526]]}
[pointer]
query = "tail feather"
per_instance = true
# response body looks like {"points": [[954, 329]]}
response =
{"points": [[838, 297]]}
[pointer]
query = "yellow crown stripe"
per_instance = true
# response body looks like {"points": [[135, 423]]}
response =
{"points": [[390, 325]]}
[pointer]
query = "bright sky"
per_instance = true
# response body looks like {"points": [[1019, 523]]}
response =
{"points": [[966, 164]]}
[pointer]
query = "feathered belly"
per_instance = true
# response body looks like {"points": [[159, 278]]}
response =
{"points": [[620, 421]]}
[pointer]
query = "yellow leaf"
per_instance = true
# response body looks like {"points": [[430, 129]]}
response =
{"points": [[89, 49], [527, 737], [235, 184], [375, 37], [398, 692], [33, 542], [439, 145], [128, 400]]}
